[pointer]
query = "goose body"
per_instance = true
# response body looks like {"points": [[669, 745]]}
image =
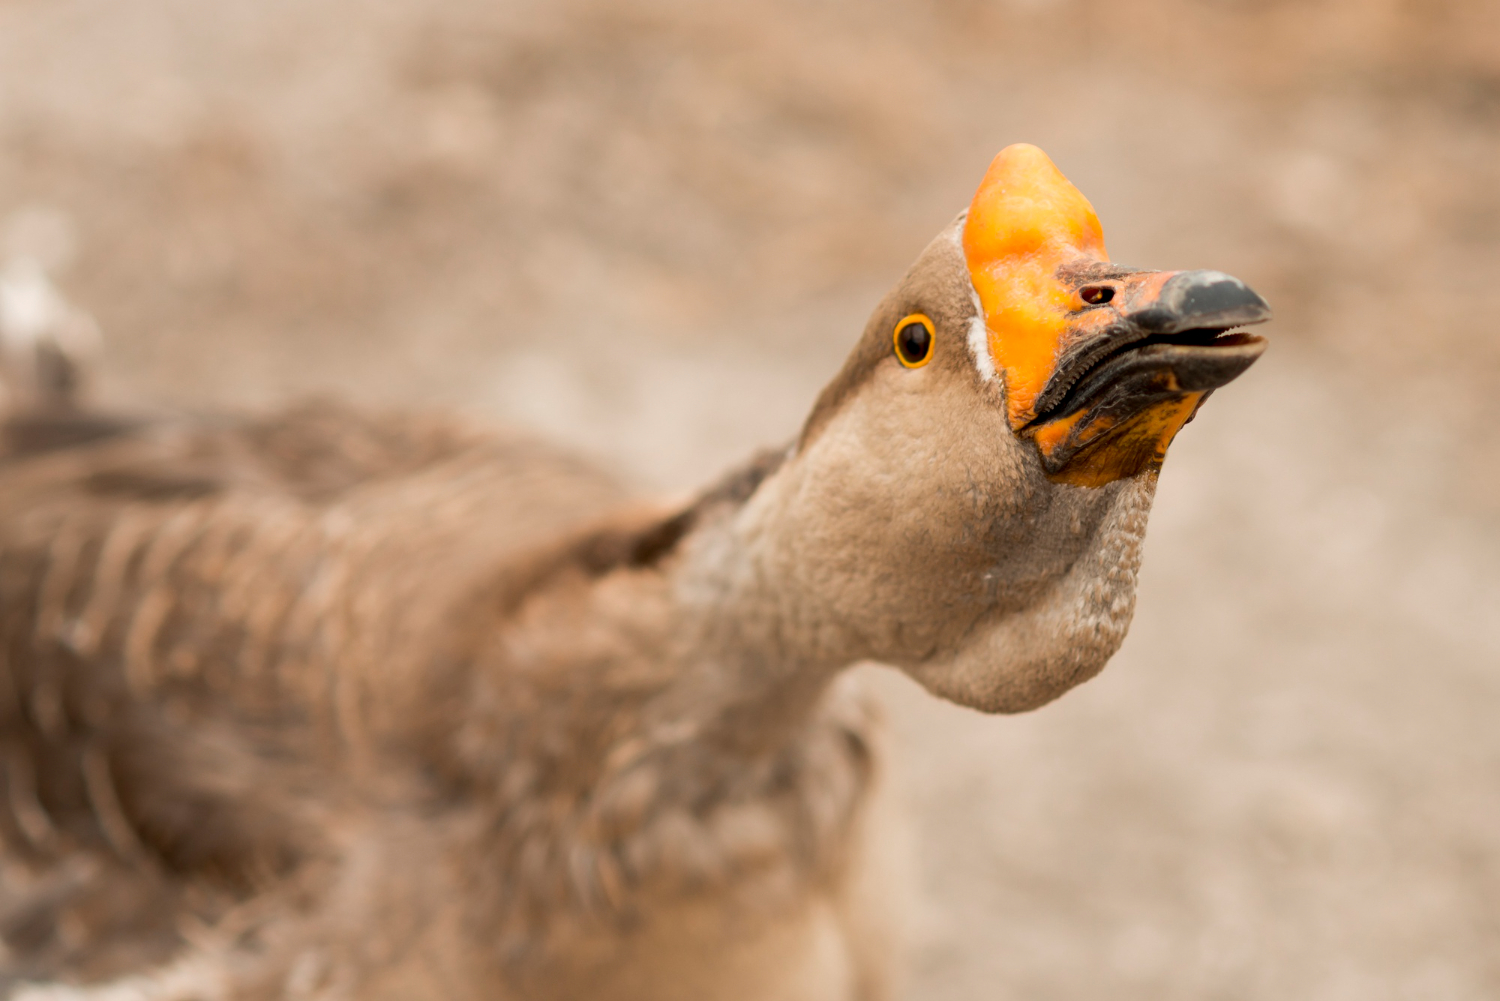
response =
{"points": [[330, 705]]}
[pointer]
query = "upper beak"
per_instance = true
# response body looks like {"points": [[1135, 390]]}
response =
{"points": [[1174, 308], [1131, 372], [1191, 299]]}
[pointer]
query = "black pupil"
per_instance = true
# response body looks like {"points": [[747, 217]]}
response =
{"points": [[1096, 295], [914, 342]]}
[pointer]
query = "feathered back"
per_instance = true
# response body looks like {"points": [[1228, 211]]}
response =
{"points": [[207, 630]]}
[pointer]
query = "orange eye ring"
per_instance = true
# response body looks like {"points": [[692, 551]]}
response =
{"points": [[914, 339]]}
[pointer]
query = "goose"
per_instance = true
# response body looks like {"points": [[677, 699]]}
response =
{"points": [[327, 704]]}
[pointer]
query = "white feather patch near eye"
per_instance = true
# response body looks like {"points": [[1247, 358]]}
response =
{"points": [[979, 335], [979, 339]]}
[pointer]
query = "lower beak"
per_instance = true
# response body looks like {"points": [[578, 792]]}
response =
{"points": [[1131, 378]]}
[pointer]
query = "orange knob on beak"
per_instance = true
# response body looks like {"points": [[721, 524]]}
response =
{"points": [[1025, 223]]}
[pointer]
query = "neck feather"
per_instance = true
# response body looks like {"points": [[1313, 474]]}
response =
{"points": [[643, 717]]}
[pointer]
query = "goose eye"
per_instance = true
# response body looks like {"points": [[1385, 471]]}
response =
{"points": [[914, 340]]}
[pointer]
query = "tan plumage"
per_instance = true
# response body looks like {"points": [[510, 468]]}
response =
{"points": [[214, 635], [332, 705]]}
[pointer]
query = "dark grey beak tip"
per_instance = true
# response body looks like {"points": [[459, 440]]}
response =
{"points": [[1210, 299]]}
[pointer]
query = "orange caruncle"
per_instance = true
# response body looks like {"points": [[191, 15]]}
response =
{"points": [[1026, 220]]}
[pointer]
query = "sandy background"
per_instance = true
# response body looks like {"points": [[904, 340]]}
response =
{"points": [[652, 228]]}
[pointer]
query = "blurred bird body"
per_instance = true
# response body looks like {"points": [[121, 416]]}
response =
{"points": [[328, 705]]}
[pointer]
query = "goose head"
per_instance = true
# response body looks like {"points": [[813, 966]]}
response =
{"points": [[968, 497]]}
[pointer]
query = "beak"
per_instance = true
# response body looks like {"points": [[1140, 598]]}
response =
{"points": [[1102, 365], [1134, 366]]}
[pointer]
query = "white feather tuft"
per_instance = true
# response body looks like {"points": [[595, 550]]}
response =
{"points": [[979, 337]]}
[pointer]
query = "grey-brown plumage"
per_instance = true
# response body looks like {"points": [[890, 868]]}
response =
{"points": [[238, 654], [330, 705]]}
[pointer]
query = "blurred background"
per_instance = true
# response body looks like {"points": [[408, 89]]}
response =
{"points": [[652, 228]]}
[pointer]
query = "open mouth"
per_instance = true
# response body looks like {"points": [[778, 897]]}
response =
{"points": [[1132, 365], [1120, 374]]}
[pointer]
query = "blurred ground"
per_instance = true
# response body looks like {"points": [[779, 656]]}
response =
{"points": [[653, 228]]}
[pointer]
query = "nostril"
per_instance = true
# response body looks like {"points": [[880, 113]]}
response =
{"points": [[1096, 295]]}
